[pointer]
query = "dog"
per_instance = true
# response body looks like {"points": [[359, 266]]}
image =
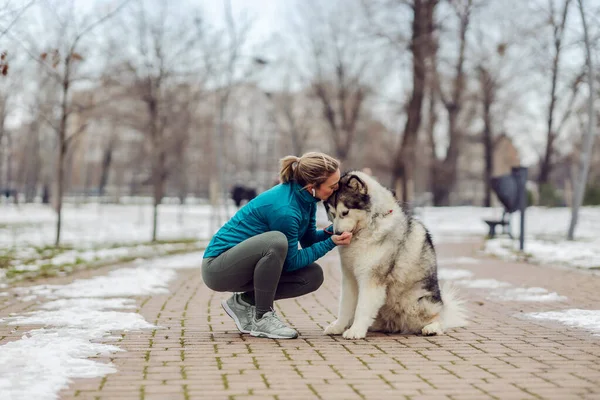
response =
{"points": [[389, 270]]}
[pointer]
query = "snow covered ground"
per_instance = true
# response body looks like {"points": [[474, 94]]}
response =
{"points": [[505, 291], [92, 229], [94, 234], [89, 225], [495, 289], [75, 317], [545, 233], [583, 319]]}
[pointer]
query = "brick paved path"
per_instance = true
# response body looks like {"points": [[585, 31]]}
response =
{"points": [[198, 353]]}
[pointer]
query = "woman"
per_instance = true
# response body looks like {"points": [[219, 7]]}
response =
{"points": [[256, 252]]}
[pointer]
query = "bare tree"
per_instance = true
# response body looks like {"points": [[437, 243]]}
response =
{"points": [[488, 89], [5, 148], [293, 114], [107, 158], [35, 169], [5, 93], [558, 27], [163, 55], [235, 38], [591, 127], [63, 62], [341, 63], [444, 171], [294, 119], [9, 15], [185, 99], [422, 44], [231, 64], [495, 71], [422, 47]]}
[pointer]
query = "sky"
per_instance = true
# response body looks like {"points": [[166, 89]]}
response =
{"points": [[525, 123], [272, 18]]}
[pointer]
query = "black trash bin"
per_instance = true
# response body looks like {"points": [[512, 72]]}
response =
{"points": [[510, 190]]}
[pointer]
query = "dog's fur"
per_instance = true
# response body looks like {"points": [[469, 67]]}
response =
{"points": [[389, 270]]}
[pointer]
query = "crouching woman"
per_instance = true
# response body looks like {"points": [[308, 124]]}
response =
{"points": [[256, 256]]}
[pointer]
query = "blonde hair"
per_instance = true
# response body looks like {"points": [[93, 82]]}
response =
{"points": [[312, 168]]}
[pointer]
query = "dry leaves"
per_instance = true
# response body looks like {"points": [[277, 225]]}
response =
{"points": [[4, 63], [54, 57], [501, 49]]}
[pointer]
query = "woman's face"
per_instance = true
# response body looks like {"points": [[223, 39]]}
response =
{"points": [[327, 188]]}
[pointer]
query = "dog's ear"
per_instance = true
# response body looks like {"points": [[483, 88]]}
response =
{"points": [[357, 184]]}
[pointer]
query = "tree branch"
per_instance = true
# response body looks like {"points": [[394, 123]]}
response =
{"points": [[14, 21], [76, 134], [95, 24]]}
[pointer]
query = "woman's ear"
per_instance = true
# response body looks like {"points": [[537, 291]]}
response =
{"points": [[314, 192]]}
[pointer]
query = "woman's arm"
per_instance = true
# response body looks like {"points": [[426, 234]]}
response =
{"points": [[299, 258], [314, 235]]}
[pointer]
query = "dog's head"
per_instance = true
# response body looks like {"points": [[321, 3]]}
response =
{"points": [[349, 206]]}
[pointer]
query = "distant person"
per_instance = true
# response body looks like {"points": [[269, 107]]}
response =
{"points": [[256, 252], [46, 194], [239, 193]]}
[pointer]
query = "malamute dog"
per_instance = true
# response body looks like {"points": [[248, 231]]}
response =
{"points": [[389, 270]]}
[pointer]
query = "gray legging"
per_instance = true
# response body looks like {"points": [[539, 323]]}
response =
{"points": [[255, 266]]}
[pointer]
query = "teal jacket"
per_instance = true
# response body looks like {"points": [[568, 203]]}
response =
{"points": [[287, 208]]}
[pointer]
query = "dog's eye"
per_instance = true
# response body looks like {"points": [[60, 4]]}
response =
{"points": [[344, 213]]}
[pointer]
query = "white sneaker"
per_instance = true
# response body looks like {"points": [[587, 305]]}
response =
{"points": [[240, 311], [270, 326]]}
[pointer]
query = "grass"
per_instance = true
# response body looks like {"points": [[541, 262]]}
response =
{"points": [[40, 258], [5, 262]]}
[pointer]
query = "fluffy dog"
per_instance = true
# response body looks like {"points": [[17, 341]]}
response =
{"points": [[389, 270]]}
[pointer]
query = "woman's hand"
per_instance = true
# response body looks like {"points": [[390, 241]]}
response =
{"points": [[342, 240]]}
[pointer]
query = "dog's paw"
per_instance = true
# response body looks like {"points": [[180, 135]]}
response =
{"points": [[435, 328], [335, 328], [355, 333]]}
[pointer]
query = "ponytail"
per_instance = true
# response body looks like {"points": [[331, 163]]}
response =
{"points": [[287, 171], [312, 168]]}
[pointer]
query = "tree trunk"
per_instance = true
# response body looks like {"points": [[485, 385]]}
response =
{"points": [[62, 151], [489, 157], [3, 183], [440, 192], [422, 30], [31, 167], [106, 162], [546, 165], [487, 91], [546, 162], [158, 164], [445, 171], [589, 137], [158, 178]]}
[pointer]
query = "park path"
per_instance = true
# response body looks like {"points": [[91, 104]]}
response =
{"points": [[197, 352]]}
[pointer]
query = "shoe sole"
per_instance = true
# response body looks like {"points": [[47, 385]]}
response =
{"points": [[234, 317], [270, 335]]}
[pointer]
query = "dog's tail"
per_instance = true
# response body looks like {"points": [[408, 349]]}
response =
{"points": [[454, 313]]}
